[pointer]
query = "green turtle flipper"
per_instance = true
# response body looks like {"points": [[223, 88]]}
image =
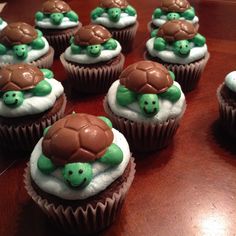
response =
{"points": [[75, 49], [125, 96], [3, 49], [157, 13], [106, 120], [199, 40], [189, 14], [46, 130], [97, 12], [39, 16], [110, 44], [45, 165], [47, 73], [72, 16], [39, 32], [159, 44], [172, 94], [130, 11], [154, 33], [38, 43], [172, 74], [43, 88]]}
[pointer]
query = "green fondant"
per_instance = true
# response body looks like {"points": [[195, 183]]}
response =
{"points": [[72, 16], [47, 73], [72, 39], [181, 48], [189, 14], [130, 11], [38, 43], [43, 88], [75, 49], [56, 18], [77, 175], [94, 50], [97, 12], [114, 14], [172, 94], [148, 104], [13, 99], [20, 51], [39, 32], [173, 16], [157, 13], [3, 49], [199, 40], [1, 20], [113, 155], [46, 130], [154, 33], [45, 165], [110, 44], [106, 120], [125, 96], [159, 44], [172, 75], [39, 16]]}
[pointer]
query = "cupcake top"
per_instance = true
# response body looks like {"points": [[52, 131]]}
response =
{"points": [[27, 90], [3, 24], [56, 14], [95, 156], [173, 10], [114, 14], [230, 81], [178, 42], [92, 44], [20, 42], [146, 92]]}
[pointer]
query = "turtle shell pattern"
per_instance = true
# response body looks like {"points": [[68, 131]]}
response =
{"points": [[77, 138], [19, 77], [17, 33], [55, 6], [175, 5], [177, 30], [113, 3], [146, 77], [91, 35]]}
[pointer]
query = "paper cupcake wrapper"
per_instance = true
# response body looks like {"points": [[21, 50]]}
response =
{"points": [[61, 41], [24, 137], [227, 114], [125, 36], [45, 61], [92, 80], [87, 220], [142, 136]]}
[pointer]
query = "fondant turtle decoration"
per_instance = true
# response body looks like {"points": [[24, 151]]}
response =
{"points": [[74, 143], [179, 34], [19, 79], [92, 39], [20, 37], [144, 82], [174, 9], [113, 8], [56, 10]]}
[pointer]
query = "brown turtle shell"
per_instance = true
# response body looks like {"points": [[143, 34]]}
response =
{"points": [[17, 33], [91, 34], [146, 77], [175, 5], [19, 77], [177, 30], [77, 138], [113, 3], [55, 6]]}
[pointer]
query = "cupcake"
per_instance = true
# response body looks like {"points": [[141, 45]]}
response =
{"points": [[80, 184], [173, 10], [3, 24], [30, 101], [120, 18], [226, 94], [179, 47], [94, 59], [146, 105], [58, 23], [21, 43]]}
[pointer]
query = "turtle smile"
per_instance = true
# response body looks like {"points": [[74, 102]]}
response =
{"points": [[78, 186], [152, 113]]}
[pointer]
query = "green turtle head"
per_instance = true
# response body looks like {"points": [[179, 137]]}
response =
{"points": [[20, 51], [173, 16], [77, 175], [56, 18], [114, 14], [94, 50], [148, 104], [182, 48], [13, 98]]}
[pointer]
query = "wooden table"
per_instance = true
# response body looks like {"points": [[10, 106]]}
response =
{"points": [[187, 189]]}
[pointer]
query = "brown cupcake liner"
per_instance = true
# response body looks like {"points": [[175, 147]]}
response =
{"points": [[187, 75], [88, 79], [227, 114], [83, 220], [125, 36], [142, 136], [25, 136]]}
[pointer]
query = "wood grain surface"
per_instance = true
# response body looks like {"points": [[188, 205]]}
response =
{"points": [[187, 189]]}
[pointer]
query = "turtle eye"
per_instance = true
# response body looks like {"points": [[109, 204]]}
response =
{"points": [[13, 94], [145, 102], [6, 95], [153, 102], [70, 172], [80, 171]]}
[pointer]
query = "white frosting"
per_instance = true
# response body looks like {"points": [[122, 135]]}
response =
{"points": [[163, 19], [125, 20], [105, 55], [230, 81], [103, 175], [132, 111], [169, 56], [47, 24], [34, 104], [33, 54], [3, 25]]}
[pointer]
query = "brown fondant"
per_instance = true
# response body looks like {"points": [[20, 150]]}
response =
{"points": [[91, 34], [113, 3], [17, 33], [19, 77], [55, 6], [174, 5], [146, 77], [77, 138], [176, 30]]}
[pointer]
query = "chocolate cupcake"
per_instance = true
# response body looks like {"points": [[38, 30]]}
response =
{"points": [[30, 101], [173, 10], [21, 43], [178, 46], [3, 24], [119, 18], [81, 184], [226, 94], [94, 59], [58, 23], [146, 105]]}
